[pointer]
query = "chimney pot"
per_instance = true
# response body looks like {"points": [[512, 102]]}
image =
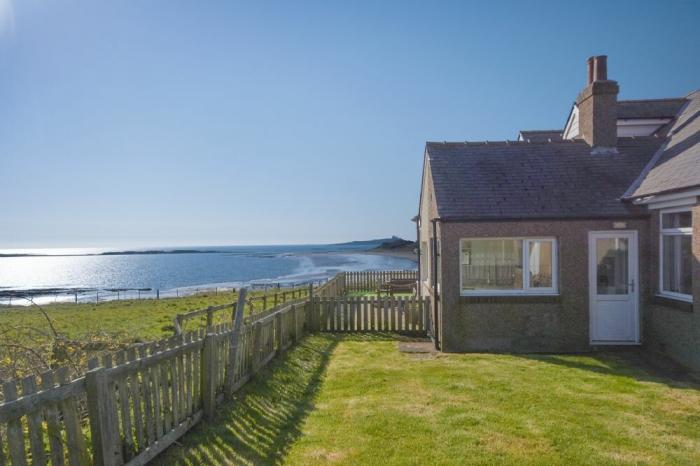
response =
{"points": [[590, 69], [600, 68]]}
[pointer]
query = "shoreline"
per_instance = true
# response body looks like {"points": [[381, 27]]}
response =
{"points": [[400, 254], [51, 294]]}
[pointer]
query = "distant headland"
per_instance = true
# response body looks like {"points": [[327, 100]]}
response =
{"points": [[393, 245]]}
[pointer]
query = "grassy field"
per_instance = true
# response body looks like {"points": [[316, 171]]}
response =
{"points": [[27, 343], [357, 400]]}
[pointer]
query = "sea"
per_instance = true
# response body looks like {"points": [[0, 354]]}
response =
{"points": [[87, 275]]}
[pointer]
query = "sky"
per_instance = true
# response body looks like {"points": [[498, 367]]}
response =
{"points": [[139, 123]]}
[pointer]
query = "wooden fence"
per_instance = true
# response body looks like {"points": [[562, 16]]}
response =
{"points": [[265, 303], [133, 405], [366, 281], [369, 281], [333, 287], [362, 314]]}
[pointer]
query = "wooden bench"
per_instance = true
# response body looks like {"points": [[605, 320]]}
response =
{"points": [[397, 285]]}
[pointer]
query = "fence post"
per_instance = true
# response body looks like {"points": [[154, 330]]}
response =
{"points": [[178, 324], [278, 332], [210, 319], [313, 321], [237, 318], [209, 371], [106, 445], [295, 319], [257, 341]]}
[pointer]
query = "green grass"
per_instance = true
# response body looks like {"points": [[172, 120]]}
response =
{"points": [[357, 400], [26, 344]]}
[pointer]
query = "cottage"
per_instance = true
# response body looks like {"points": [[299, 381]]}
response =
{"points": [[568, 239]]}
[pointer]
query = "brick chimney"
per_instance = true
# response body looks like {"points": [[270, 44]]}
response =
{"points": [[597, 108]]}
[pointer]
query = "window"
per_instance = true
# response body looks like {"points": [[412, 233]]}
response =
{"points": [[493, 266], [675, 254], [612, 274]]}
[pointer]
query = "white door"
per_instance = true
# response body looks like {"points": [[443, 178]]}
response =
{"points": [[614, 287]]}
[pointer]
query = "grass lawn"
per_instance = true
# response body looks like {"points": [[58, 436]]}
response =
{"points": [[102, 326], [357, 400]]}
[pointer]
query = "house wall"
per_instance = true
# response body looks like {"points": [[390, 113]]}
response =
{"points": [[427, 212], [528, 323], [673, 327]]}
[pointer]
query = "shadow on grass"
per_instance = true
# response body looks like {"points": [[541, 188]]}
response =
{"points": [[634, 364], [379, 336], [267, 414]]}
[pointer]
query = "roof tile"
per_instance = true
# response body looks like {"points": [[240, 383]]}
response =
{"points": [[559, 179]]}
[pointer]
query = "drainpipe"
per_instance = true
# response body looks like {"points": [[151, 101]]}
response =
{"points": [[436, 295], [416, 219]]}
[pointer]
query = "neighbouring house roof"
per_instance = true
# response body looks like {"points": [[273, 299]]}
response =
{"points": [[649, 108], [540, 135], [559, 179], [676, 166], [635, 110]]}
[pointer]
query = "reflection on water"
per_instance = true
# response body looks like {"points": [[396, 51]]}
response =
{"points": [[229, 266]]}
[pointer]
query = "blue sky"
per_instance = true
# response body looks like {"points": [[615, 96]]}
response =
{"points": [[182, 122]]}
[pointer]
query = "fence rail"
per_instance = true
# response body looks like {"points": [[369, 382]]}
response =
{"points": [[362, 314], [366, 281], [92, 295], [372, 279], [132, 405], [257, 305]]}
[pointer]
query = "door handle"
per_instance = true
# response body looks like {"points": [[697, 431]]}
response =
{"points": [[631, 286]]}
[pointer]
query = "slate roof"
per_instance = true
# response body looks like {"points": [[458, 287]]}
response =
{"points": [[677, 165], [541, 135], [649, 108], [510, 180]]}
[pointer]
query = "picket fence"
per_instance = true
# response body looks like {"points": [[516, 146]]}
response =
{"points": [[212, 313], [370, 281], [365, 281], [362, 314], [132, 405]]}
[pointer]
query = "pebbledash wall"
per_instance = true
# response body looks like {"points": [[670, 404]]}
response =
{"points": [[557, 323], [672, 327]]}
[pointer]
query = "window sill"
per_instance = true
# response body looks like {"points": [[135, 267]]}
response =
{"points": [[523, 298], [672, 302]]}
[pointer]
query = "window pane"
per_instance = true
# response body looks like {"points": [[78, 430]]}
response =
{"points": [[677, 220], [492, 264], [677, 263], [540, 264], [612, 272]]}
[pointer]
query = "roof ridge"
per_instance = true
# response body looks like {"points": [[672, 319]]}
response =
{"points": [[503, 142], [661, 99], [541, 130]]}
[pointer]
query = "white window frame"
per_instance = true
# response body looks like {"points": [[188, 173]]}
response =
{"points": [[688, 231], [526, 290]]}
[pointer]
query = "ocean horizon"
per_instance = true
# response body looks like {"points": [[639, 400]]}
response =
{"points": [[68, 274]]}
